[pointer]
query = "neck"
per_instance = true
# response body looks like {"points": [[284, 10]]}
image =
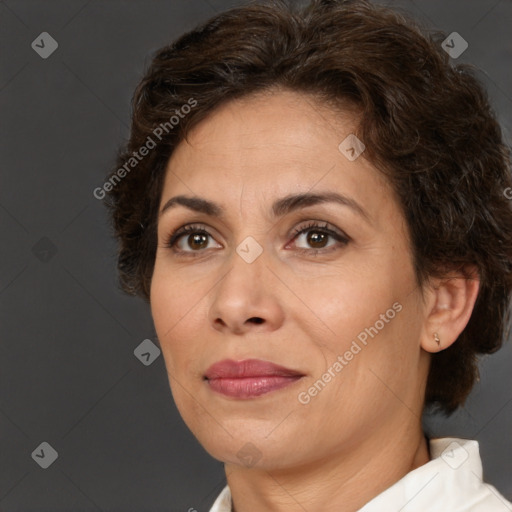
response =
{"points": [[346, 481]]}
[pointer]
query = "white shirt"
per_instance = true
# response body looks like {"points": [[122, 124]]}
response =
{"points": [[450, 482]]}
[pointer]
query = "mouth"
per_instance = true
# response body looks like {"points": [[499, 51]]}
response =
{"points": [[249, 378]]}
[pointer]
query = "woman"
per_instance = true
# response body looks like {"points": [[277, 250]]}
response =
{"points": [[312, 201]]}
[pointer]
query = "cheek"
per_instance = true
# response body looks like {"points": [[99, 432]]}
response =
{"points": [[368, 326], [171, 299], [178, 311], [346, 305], [162, 305], [169, 317], [169, 309]]}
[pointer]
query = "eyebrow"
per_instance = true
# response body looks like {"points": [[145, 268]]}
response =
{"points": [[280, 207]]}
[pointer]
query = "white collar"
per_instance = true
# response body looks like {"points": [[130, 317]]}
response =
{"points": [[452, 481]]}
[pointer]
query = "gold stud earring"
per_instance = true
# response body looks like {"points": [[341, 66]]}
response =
{"points": [[437, 339]]}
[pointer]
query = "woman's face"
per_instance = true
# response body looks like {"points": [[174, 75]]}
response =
{"points": [[341, 310]]}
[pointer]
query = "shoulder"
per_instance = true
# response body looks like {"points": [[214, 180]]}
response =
{"points": [[452, 480], [223, 501]]}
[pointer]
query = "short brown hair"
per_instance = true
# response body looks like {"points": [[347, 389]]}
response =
{"points": [[427, 125]]}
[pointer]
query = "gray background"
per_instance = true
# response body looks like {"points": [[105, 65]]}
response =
{"points": [[68, 375]]}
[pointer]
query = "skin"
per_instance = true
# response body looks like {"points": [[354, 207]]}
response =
{"points": [[362, 432]]}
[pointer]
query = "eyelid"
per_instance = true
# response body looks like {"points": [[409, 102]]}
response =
{"points": [[323, 226], [341, 239], [186, 229]]}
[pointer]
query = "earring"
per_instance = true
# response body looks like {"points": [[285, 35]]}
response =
{"points": [[437, 339]]}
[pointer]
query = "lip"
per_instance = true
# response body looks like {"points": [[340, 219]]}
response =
{"points": [[249, 378]]}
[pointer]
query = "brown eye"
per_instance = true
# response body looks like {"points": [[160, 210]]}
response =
{"points": [[195, 242], [198, 240], [317, 237]]}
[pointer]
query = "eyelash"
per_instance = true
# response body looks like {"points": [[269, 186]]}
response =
{"points": [[313, 226]]}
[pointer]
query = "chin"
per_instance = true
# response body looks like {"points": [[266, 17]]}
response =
{"points": [[251, 449]]}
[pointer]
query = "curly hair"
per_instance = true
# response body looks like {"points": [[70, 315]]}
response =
{"points": [[427, 125]]}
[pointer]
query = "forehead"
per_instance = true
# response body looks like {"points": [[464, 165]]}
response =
{"points": [[268, 123], [272, 145]]}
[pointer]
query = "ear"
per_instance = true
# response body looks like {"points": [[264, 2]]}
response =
{"points": [[449, 305]]}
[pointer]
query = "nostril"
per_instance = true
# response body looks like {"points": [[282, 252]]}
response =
{"points": [[256, 320]]}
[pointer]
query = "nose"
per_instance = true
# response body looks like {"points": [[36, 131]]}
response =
{"points": [[246, 298]]}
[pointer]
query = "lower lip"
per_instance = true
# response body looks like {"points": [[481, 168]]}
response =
{"points": [[249, 387]]}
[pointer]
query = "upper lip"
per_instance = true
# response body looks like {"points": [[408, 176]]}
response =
{"points": [[229, 369]]}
